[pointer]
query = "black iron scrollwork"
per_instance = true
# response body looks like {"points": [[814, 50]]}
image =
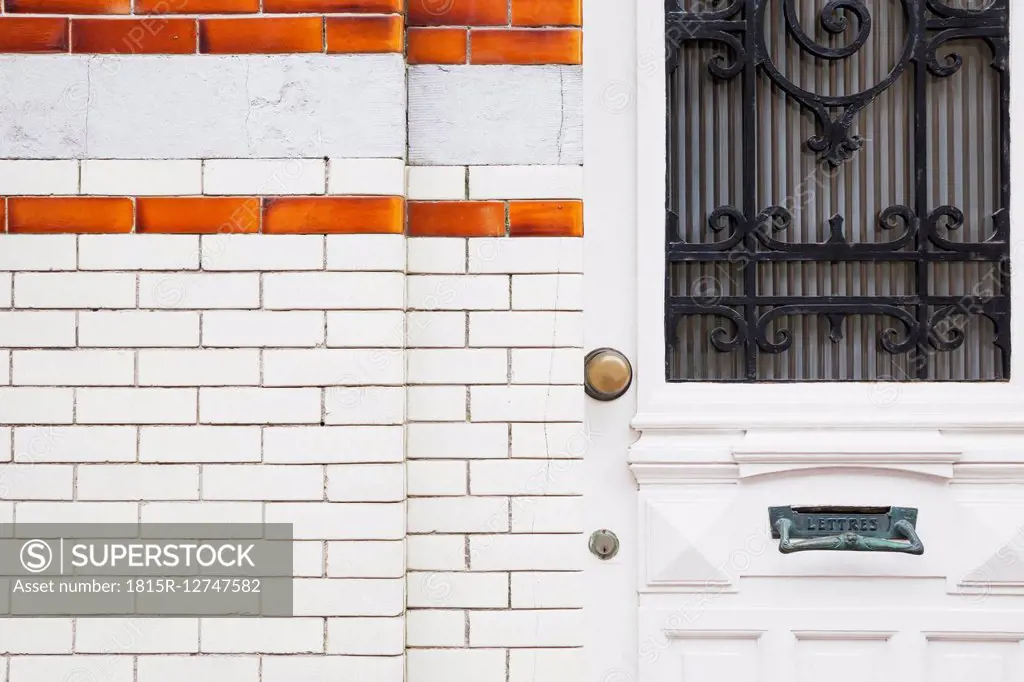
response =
{"points": [[916, 233], [833, 20]]}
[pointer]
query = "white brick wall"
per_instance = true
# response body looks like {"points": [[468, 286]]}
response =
{"points": [[439, 292], [138, 252], [138, 329], [137, 636], [367, 176], [258, 328], [550, 665], [137, 482], [434, 628], [437, 183], [494, 364], [263, 635], [366, 636], [32, 668], [199, 444], [73, 368], [457, 665], [249, 177], [146, 177], [74, 290], [49, 329], [436, 403], [421, 430], [291, 668], [332, 291], [140, 387], [196, 291], [333, 444], [262, 482], [31, 177], [367, 252], [6, 289], [38, 252], [526, 182], [75, 444], [177, 668], [436, 255], [199, 367], [249, 252]]}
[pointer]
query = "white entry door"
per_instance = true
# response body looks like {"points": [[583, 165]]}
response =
{"points": [[685, 473]]}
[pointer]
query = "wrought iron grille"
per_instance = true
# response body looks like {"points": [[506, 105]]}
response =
{"points": [[891, 262]]}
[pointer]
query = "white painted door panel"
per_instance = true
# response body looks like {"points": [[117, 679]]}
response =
{"points": [[809, 646], [718, 601]]}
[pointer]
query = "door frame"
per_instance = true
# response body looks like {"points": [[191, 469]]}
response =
{"points": [[610, 295]]}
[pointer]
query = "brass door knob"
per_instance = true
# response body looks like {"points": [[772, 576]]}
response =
{"points": [[607, 374]]}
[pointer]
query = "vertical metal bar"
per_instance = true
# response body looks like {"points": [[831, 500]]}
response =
{"points": [[750, 17], [1004, 190], [921, 360]]}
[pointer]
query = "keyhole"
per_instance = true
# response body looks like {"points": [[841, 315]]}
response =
{"points": [[604, 544]]}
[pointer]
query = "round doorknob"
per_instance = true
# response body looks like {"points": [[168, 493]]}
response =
{"points": [[607, 374]]}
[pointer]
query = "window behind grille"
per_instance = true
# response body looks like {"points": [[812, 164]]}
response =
{"points": [[877, 252]]}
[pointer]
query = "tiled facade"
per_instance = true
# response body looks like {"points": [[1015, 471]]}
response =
{"points": [[244, 281]]}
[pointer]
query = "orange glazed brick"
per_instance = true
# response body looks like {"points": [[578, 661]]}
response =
{"points": [[333, 215], [334, 6], [547, 13], [36, 34], [199, 215], [458, 12], [365, 34], [71, 214], [546, 218], [457, 218], [196, 6], [69, 6], [155, 35], [266, 36], [437, 45], [526, 47]]}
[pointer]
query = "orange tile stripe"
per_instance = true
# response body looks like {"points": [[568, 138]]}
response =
{"points": [[499, 32], [485, 32], [545, 218], [196, 6], [35, 34], [70, 6], [201, 6], [364, 34], [157, 27], [334, 6], [316, 215], [437, 46], [456, 218], [545, 46], [199, 215], [265, 36], [487, 218], [73, 214], [547, 13], [290, 215], [170, 35], [458, 12], [495, 12], [133, 36]]}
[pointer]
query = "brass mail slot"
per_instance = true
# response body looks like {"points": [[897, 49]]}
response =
{"points": [[879, 529]]}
